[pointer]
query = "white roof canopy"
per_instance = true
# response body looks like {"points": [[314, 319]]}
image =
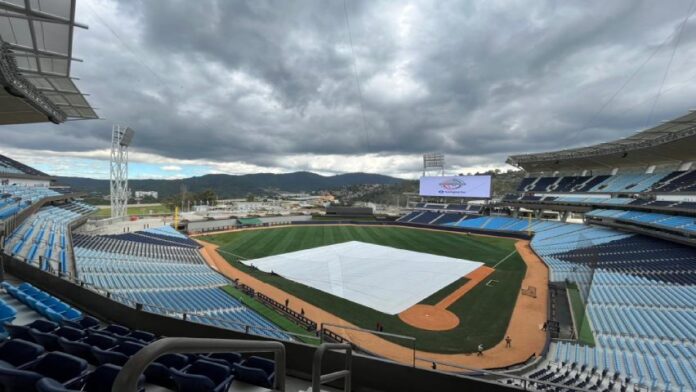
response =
{"points": [[39, 35]]}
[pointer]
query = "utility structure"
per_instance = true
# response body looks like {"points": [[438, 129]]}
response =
{"points": [[434, 162], [121, 138]]}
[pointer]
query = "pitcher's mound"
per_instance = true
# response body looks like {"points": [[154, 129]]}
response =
{"points": [[429, 317]]}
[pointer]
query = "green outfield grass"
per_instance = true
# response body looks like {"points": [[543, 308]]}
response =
{"points": [[584, 333], [135, 210], [484, 312]]}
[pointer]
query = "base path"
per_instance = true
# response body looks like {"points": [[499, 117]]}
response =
{"points": [[437, 317], [524, 328]]}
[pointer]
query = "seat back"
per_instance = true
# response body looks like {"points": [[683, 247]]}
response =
{"points": [[117, 329], [254, 376], [18, 352], [50, 385], [266, 365], [60, 366], [72, 314], [69, 333], [216, 372], [15, 380], [18, 331], [102, 379], [107, 356], [46, 339], [89, 321], [43, 325], [102, 341], [191, 382]]}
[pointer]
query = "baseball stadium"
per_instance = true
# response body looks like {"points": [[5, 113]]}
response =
{"points": [[583, 278]]}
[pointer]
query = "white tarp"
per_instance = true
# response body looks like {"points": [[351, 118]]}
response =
{"points": [[383, 278]]}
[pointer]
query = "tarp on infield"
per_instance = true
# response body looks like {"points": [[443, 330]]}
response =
{"points": [[383, 278]]}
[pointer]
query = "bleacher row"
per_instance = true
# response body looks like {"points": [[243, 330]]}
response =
{"points": [[595, 200], [469, 208], [600, 367], [124, 244], [15, 198], [677, 181], [686, 223], [80, 354], [44, 236], [640, 294], [166, 279]]}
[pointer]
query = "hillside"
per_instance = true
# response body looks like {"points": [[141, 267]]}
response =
{"points": [[230, 186]]}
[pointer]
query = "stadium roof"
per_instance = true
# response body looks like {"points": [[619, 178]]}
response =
{"points": [[35, 58], [672, 142], [14, 169]]}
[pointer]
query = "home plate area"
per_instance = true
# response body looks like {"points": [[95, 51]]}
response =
{"points": [[389, 280]]}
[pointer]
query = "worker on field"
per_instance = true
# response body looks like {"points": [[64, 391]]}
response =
{"points": [[479, 353], [508, 342]]}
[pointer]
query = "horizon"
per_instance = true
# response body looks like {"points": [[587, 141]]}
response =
{"points": [[365, 88]]}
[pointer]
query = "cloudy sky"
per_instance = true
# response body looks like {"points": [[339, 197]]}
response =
{"points": [[243, 87]]}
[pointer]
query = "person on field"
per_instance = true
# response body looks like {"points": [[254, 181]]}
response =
{"points": [[479, 352], [287, 302], [508, 342]]}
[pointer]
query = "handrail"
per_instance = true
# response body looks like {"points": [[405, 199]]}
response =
{"points": [[318, 379], [127, 378]]}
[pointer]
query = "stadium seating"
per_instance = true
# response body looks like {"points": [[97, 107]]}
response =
{"points": [[45, 236], [676, 222], [15, 198], [166, 278]]}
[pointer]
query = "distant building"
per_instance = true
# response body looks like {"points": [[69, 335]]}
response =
{"points": [[142, 194], [348, 212]]}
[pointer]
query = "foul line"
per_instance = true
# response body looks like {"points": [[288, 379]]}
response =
{"points": [[505, 258]]}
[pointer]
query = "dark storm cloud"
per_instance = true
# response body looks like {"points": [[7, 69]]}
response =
{"points": [[259, 81]]}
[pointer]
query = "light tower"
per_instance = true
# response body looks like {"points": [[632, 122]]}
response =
{"points": [[120, 140], [434, 162]]}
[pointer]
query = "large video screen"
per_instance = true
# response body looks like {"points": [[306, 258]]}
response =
{"points": [[456, 186]]}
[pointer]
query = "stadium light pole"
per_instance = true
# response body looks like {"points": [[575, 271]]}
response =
{"points": [[121, 138]]}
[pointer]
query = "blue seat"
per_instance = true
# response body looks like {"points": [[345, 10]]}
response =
{"points": [[59, 307], [51, 314], [257, 371], [64, 368], [7, 313], [17, 380], [43, 325], [202, 376], [18, 352], [158, 372], [71, 314]]}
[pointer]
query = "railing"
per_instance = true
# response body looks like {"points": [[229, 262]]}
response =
{"points": [[318, 379], [527, 384], [127, 378], [324, 332], [296, 316], [198, 317]]}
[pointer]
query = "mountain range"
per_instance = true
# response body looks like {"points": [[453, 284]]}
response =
{"points": [[231, 186]]}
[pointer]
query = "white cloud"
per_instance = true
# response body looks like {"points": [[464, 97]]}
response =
{"points": [[171, 168]]}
